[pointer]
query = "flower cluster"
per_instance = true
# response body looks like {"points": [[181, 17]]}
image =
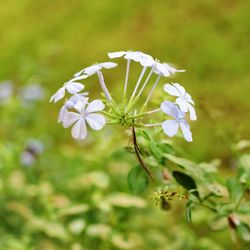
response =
{"points": [[79, 112]]}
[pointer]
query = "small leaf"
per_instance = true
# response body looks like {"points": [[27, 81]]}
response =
{"points": [[235, 189], [137, 179], [244, 231], [189, 211], [187, 182]]}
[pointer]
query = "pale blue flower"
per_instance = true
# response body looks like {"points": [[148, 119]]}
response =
{"points": [[70, 104], [144, 59], [6, 91], [93, 69], [84, 115], [170, 127], [71, 87], [184, 100]]}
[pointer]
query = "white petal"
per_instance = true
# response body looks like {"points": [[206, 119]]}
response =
{"points": [[58, 95], [80, 105], [188, 98], [170, 89], [76, 98], [181, 89], [170, 108], [160, 69], [62, 113], [108, 65], [79, 130], [70, 118], [192, 112], [96, 105], [78, 74], [133, 55], [183, 104], [91, 70], [74, 87], [186, 131], [95, 121], [116, 54], [79, 78], [172, 70], [170, 127], [146, 60]]}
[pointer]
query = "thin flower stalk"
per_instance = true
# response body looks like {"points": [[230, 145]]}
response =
{"points": [[103, 86], [126, 79], [151, 91]]}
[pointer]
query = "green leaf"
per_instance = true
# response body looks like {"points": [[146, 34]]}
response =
{"points": [[187, 182], [167, 148], [235, 189], [244, 231], [156, 152], [184, 163], [188, 211], [137, 179]]}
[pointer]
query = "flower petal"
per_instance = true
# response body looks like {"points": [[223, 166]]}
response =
{"points": [[76, 98], [146, 60], [94, 106], [172, 70], [108, 65], [185, 128], [58, 95], [80, 105], [170, 108], [188, 98], [170, 89], [95, 121], [183, 104], [180, 89], [74, 87], [79, 130], [80, 77], [91, 70], [170, 127], [70, 118], [62, 113], [161, 69], [133, 55], [116, 54], [192, 112]]}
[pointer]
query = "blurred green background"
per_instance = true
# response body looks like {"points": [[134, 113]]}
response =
{"points": [[46, 42]]}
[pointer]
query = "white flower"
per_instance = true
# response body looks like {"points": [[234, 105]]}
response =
{"points": [[184, 99], [164, 69], [93, 69], [37, 91], [70, 104], [6, 91], [170, 127], [71, 86], [95, 121], [137, 56]]}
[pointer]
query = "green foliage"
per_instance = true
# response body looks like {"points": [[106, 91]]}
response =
{"points": [[187, 182], [137, 180]]}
